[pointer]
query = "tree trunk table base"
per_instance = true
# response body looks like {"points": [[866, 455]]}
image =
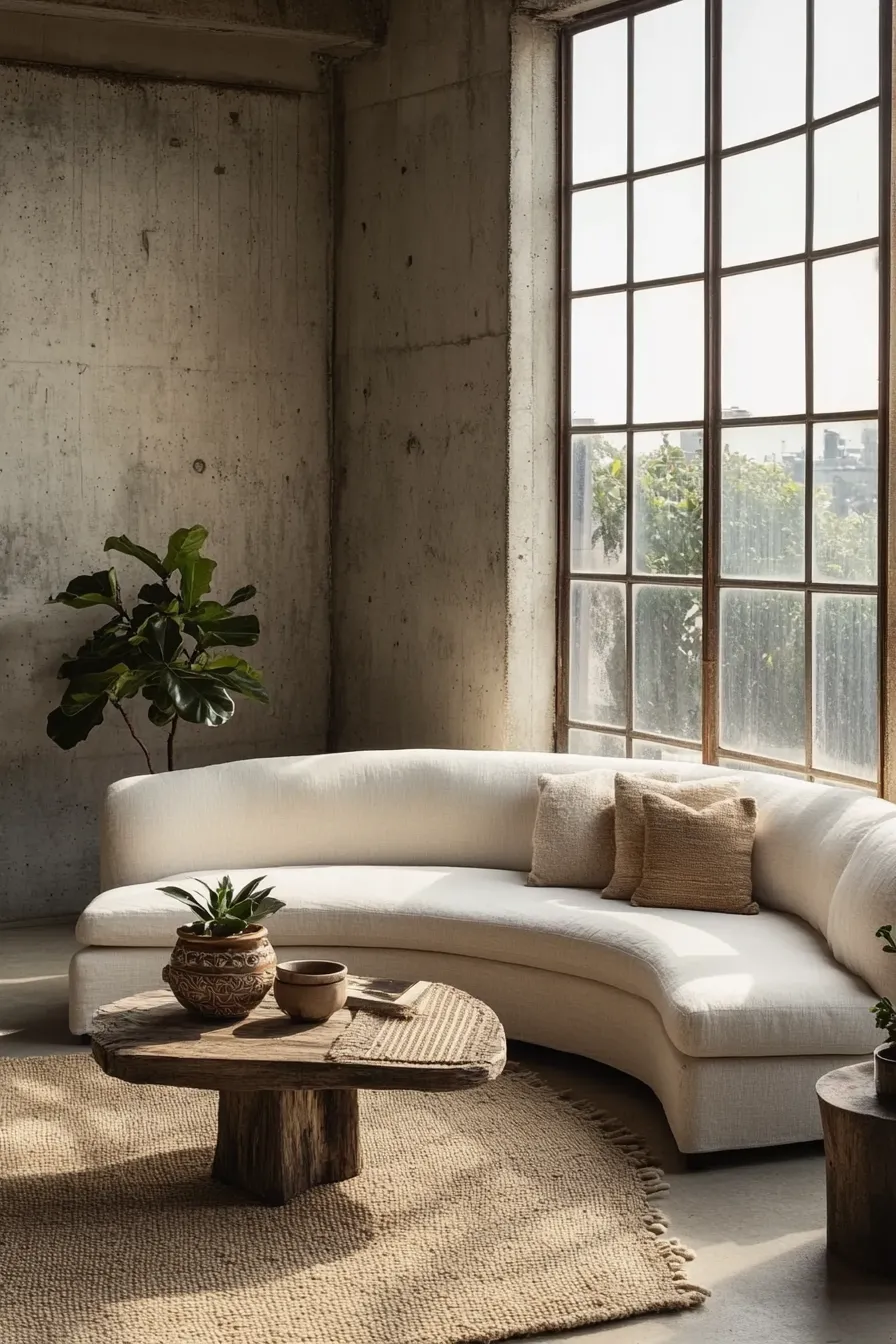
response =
{"points": [[276, 1145], [860, 1162]]}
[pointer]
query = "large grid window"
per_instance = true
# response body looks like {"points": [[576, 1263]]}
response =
{"points": [[724, 434]]}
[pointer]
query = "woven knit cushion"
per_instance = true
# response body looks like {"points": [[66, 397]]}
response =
{"points": [[574, 841], [629, 794], [698, 858]]}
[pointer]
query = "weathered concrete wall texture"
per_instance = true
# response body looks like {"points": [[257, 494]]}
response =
{"points": [[421, 388], [164, 263]]}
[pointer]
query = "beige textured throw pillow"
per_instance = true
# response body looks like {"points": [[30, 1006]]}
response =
{"points": [[573, 844], [698, 859], [629, 792]]}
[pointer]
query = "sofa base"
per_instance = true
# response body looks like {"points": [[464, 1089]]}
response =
{"points": [[711, 1104]]}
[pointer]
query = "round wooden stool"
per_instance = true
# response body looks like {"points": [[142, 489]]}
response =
{"points": [[860, 1160]]}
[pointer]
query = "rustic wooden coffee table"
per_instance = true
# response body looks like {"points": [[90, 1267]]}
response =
{"points": [[288, 1091]]}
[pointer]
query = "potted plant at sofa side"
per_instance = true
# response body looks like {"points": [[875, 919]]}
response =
{"points": [[885, 1017], [166, 648], [223, 964]]}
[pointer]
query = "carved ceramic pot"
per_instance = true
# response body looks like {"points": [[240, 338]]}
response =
{"points": [[885, 1072], [221, 977]]}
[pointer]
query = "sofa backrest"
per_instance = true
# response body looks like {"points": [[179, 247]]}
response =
{"points": [[441, 807]]}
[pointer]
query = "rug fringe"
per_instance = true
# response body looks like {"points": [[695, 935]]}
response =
{"points": [[651, 1177]]}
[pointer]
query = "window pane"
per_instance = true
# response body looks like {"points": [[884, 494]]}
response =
{"points": [[732, 763], [762, 673], [668, 343], [763, 501], [597, 504], [763, 342], [598, 360], [845, 490], [764, 203], [847, 173], [669, 224], [669, 128], [668, 524], [597, 653], [599, 96], [583, 743], [845, 691], [846, 326], [763, 68], [660, 751], [599, 237], [846, 53], [667, 656]]}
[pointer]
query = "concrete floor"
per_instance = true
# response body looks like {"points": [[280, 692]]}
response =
{"points": [[755, 1220]]}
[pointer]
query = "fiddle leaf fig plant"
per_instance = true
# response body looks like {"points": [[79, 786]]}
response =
{"points": [[166, 648], [883, 1010], [224, 912]]}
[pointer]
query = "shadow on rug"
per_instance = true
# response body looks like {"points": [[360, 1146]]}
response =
{"points": [[478, 1216]]}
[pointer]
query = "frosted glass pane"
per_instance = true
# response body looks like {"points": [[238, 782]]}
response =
{"points": [[669, 39], [763, 501], [597, 653], [764, 203], [668, 345], [583, 743], [669, 224], [763, 343], [844, 633], [762, 673], [599, 96], [660, 751], [846, 53], [667, 659], [846, 332], [845, 489], [668, 522], [597, 504], [847, 181], [599, 237], [598, 360], [763, 68]]}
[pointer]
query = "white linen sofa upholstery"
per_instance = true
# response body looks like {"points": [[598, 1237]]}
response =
{"points": [[413, 863]]}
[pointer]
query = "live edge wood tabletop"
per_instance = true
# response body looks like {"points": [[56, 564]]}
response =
{"points": [[287, 1112]]}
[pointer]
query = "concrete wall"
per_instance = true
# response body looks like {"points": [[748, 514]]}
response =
{"points": [[439, 506], [164, 263]]}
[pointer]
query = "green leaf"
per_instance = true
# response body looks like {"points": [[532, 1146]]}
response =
{"points": [[157, 595], [163, 636], [245, 892], [125, 546], [91, 590], [196, 579], [242, 595], [67, 730], [83, 691], [185, 898], [161, 707], [212, 631], [198, 698], [268, 906], [183, 545], [237, 676]]}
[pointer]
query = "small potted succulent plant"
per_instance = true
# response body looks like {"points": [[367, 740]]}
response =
{"points": [[223, 964], [885, 1017]]}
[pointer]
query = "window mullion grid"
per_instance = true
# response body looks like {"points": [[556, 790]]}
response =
{"points": [[630, 387], [809, 463], [712, 383], [885, 768]]}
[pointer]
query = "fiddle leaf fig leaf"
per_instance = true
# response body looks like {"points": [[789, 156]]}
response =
{"points": [[198, 698], [184, 545], [242, 595], [195, 579], [157, 595], [91, 590], [67, 730], [125, 546]]}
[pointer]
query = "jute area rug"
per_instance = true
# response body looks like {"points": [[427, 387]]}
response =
{"points": [[479, 1215]]}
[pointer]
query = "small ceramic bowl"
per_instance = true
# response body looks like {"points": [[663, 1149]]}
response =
{"points": [[310, 991]]}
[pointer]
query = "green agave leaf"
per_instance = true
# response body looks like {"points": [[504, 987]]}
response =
{"points": [[67, 730], [125, 546], [178, 894], [91, 590], [268, 906]]}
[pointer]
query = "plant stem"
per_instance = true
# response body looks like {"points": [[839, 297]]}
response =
{"points": [[146, 754], [171, 743]]}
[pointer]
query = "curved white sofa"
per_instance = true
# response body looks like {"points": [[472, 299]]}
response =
{"points": [[413, 863]]}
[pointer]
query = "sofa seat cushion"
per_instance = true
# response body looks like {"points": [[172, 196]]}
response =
{"points": [[722, 984]]}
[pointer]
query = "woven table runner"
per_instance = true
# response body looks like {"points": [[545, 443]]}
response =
{"points": [[450, 1027]]}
